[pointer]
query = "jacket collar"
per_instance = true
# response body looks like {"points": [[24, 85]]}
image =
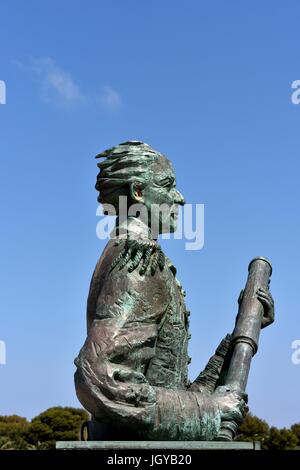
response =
{"points": [[133, 227]]}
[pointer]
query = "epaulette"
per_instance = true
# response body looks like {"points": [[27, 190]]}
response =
{"points": [[140, 253]]}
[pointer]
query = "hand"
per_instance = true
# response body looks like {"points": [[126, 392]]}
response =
{"points": [[265, 297], [232, 404]]}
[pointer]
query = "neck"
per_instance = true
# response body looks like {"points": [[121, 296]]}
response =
{"points": [[132, 225]]}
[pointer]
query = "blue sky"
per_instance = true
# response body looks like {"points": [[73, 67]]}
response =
{"points": [[206, 83]]}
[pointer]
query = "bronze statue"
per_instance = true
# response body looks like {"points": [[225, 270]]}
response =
{"points": [[132, 369]]}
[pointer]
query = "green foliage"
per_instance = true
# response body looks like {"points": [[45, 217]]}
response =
{"points": [[12, 426], [12, 432], [281, 439], [253, 429], [56, 424], [52, 425], [296, 430]]}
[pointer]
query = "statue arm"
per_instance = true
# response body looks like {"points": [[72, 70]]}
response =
{"points": [[111, 378]]}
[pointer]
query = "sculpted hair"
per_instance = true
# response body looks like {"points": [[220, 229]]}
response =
{"points": [[127, 163]]}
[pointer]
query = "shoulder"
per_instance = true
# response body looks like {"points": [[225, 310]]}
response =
{"points": [[133, 264], [136, 250], [138, 254], [132, 273]]}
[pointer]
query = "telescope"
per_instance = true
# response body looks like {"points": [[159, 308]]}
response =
{"points": [[245, 335]]}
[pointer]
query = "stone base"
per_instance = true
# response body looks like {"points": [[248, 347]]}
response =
{"points": [[148, 445]]}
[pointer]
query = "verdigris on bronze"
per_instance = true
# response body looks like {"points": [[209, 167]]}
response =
{"points": [[132, 371]]}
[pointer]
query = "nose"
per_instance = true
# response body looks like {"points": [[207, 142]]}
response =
{"points": [[179, 199]]}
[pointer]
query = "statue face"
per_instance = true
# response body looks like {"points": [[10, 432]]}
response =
{"points": [[161, 198]]}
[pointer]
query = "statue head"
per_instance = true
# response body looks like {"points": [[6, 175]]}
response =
{"points": [[145, 177]]}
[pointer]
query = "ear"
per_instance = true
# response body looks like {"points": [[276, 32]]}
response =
{"points": [[136, 193]]}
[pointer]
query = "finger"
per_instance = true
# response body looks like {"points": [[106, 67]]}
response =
{"points": [[246, 410], [243, 408], [233, 415], [268, 319], [266, 322], [263, 293], [262, 289], [264, 300]]}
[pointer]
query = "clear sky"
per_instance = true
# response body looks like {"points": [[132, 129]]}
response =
{"points": [[206, 83]]}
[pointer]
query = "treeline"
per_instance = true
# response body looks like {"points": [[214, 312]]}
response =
{"points": [[55, 424], [63, 424], [271, 438]]}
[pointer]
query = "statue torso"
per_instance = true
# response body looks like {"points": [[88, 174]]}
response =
{"points": [[164, 361], [168, 368]]}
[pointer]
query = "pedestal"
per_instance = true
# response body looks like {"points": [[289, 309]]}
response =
{"points": [[149, 445]]}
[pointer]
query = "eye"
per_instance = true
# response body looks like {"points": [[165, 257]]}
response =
{"points": [[167, 183], [170, 183]]}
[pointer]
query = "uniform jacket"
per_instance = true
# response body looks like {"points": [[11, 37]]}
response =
{"points": [[132, 371]]}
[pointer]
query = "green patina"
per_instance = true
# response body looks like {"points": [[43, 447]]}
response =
{"points": [[132, 372]]}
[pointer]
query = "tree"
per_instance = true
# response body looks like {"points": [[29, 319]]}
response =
{"points": [[253, 429], [13, 431], [281, 439], [296, 430], [56, 424]]}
